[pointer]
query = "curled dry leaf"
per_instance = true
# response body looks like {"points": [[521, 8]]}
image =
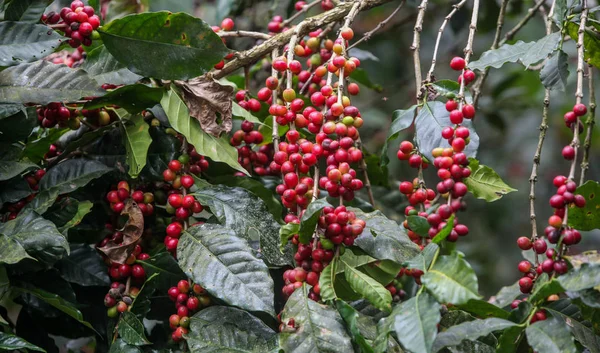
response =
{"points": [[205, 98], [132, 234]]}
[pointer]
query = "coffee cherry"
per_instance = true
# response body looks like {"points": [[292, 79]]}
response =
{"points": [[524, 266], [227, 24], [579, 109], [568, 152], [187, 181], [137, 271], [457, 63], [525, 284]]}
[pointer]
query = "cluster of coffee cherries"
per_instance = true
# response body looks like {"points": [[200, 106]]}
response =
{"points": [[396, 288], [70, 58], [459, 64], [58, 114], [188, 298], [540, 315], [226, 25], [79, 21], [53, 151], [118, 196], [179, 204], [340, 226], [11, 210], [118, 299], [250, 104], [254, 161], [571, 118], [99, 117], [310, 263]]}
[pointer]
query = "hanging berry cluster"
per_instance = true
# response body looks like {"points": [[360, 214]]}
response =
{"points": [[253, 161], [78, 23], [189, 298], [10, 210]]}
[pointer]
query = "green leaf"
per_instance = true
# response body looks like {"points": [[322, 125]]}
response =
{"points": [[383, 238], [418, 225], [423, 259], [445, 232], [36, 150], [133, 98], [226, 329], [551, 336], [401, 119], [165, 265], [119, 346], [368, 288], [25, 10], [483, 309], [255, 187], [14, 343], [351, 318], [64, 178], [507, 294], [431, 120], [528, 53], [131, 330], [214, 257], [83, 208], [555, 72], [165, 45], [13, 190], [584, 277], [327, 280], [57, 302], [246, 214], [10, 169], [267, 130], [121, 8], [451, 280], [42, 82], [510, 339], [582, 333], [84, 266], [309, 220], [238, 111], [591, 43], [587, 217], [544, 287], [16, 122], [104, 68], [31, 236], [142, 302], [443, 87], [217, 149], [137, 140], [287, 232], [415, 323], [470, 330], [560, 12], [485, 183], [25, 42], [319, 328]]}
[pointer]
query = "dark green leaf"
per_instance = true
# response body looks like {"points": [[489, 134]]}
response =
{"points": [[582, 333], [423, 259], [287, 232], [226, 329], [401, 119], [470, 330], [137, 140], [83, 208], [104, 68], [64, 178], [246, 214], [445, 232], [133, 98], [451, 280], [418, 225], [84, 266], [31, 236], [10, 169], [43, 82], [383, 238], [57, 302], [550, 336], [485, 183], [217, 149], [586, 276], [483, 309], [319, 328], [214, 257], [131, 330], [368, 288], [36, 150], [587, 217], [555, 72], [509, 340], [351, 318], [165, 265], [164, 45], [141, 304], [591, 43], [25, 10], [432, 118], [22, 42], [7, 110], [13, 190], [16, 124], [309, 220], [14, 343], [255, 187], [119, 346], [544, 287], [327, 280]]}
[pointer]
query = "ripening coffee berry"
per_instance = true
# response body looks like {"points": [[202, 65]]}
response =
{"points": [[457, 63], [227, 24], [568, 152], [579, 109]]}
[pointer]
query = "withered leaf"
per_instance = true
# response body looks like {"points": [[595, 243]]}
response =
{"points": [[132, 234], [205, 98]]}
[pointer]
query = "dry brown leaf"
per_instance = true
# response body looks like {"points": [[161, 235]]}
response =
{"points": [[132, 234], [205, 98]]}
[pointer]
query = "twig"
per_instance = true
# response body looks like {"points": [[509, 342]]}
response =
{"points": [[456, 7], [60, 26], [530, 13], [248, 34], [416, 48], [590, 122], [304, 10], [379, 26], [468, 50], [310, 24], [275, 132]]}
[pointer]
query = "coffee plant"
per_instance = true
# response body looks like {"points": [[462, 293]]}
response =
{"points": [[169, 184]]}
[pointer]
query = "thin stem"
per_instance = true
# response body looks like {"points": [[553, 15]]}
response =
{"points": [[275, 132], [379, 26], [530, 13], [455, 9], [304, 10], [416, 48], [468, 51], [590, 122], [60, 26], [240, 34]]}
